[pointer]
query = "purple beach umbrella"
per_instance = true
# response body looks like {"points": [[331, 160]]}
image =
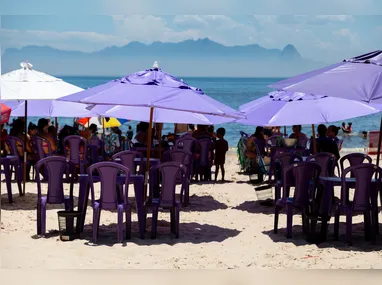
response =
{"points": [[153, 88], [284, 108], [358, 78]]}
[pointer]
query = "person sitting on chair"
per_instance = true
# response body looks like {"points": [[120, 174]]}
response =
{"points": [[325, 144]]}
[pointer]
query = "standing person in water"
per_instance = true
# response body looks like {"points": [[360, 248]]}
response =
{"points": [[221, 148], [350, 128], [345, 129]]}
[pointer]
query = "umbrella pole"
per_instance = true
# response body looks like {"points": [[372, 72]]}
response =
{"points": [[379, 143], [56, 122], [103, 134], [25, 145], [285, 131], [148, 151], [314, 140], [1, 153]]}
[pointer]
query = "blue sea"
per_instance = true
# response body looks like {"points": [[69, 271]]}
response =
{"points": [[234, 92]]}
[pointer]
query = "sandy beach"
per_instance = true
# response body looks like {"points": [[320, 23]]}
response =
{"points": [[223, 227]]}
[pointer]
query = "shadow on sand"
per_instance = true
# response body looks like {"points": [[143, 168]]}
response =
{"points": [[358, 239], [194, 233]]}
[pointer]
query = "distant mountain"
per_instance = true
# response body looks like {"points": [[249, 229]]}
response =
{"points": [[201, 57], [290, 53]]}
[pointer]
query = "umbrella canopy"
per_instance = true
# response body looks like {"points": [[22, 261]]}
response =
{"points": [[153, 88], [29, 84], [112, 122], [358, 78], [49, 108], [5, 113], [159, 115], [284, 108]]}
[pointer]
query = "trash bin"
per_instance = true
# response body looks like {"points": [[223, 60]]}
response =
{"points": [[69, 225]]}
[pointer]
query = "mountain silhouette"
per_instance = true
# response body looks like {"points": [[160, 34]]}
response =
{"points": [[202, 57]]}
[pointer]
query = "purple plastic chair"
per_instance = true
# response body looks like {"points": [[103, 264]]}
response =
{"points": [[302, 142], [108, 172], [127, 158], [271, 141], [56, 167], [74, 152], [12, 142], [354, 159], [163, 181], [37, 145], [365, 200], [184, 158], [306, 177], [96, 147], [204, 163], [327, 161], [279, 163], [187, 143]]}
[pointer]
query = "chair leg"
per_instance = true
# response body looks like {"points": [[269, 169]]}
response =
{"points": [[39, 217], [19, 177], [186, 198], [128, 222], [312, 229], [43, 218], [374, 226], [375, 221], [154, 222], [289, 220], [276, 222], [305, 222], [336, 224], [324, 228], [349, 226], [277, 192], [177, 221], [96, 220], [120, 224], [367, 224], [145, 217], [69, 204], [172, 219]]}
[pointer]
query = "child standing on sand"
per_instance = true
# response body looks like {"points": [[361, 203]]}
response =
{"points": [[221, 148]]}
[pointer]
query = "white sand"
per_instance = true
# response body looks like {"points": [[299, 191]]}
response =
{"points": [[224, 227]]}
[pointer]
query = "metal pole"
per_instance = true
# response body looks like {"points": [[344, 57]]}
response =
{"points": [[25, 145], [314, 140], [150, 132], [379, 142]]}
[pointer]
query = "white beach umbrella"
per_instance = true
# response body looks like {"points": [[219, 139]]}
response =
{"points": [[29, 84]]}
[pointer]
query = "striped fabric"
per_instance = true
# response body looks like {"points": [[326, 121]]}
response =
{"points": [[374, 57]]}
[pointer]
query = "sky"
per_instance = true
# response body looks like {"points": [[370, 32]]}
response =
{"points": [[321, 37], [325, 30]]}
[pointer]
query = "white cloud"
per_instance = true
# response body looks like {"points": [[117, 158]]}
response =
{"points": [[83, 41], [187, 21], [335, 18], [150, 28], [219, 28], [346, 33]]}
